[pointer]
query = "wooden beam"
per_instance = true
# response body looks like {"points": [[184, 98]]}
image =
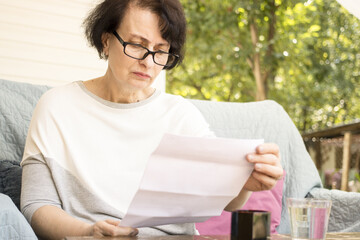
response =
{"points": [[346, 161], [334, 131]]}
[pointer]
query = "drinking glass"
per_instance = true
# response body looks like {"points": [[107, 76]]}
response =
{"points": [[308, 217]]}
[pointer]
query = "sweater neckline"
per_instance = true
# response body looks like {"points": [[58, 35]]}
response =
{"points": [[118, 105]]}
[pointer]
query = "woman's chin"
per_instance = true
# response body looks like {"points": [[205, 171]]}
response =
{"points": [[139, 85]]}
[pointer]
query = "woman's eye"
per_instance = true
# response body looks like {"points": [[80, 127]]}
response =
{"points": [[162, 50], [137, 44]]}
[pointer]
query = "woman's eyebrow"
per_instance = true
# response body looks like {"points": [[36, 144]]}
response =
{"points": [[166, 44]]}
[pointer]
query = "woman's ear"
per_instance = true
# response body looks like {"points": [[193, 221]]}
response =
{"points": [[105, 39]]}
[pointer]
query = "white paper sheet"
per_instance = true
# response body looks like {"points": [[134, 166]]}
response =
{"points": [[190, 179]]}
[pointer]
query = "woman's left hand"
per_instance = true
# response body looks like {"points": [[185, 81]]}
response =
{"points": [[267, 168]]}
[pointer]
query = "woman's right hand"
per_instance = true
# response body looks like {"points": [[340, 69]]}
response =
{"points": [[111, 228]]}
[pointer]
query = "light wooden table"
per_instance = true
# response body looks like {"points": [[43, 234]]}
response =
{"points": [[329, 236]]}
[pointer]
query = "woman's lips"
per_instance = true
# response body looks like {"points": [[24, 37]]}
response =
{"points": [[142, 75]]}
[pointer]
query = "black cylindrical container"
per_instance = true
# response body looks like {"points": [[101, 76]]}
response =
{"points": [[250, 225]]}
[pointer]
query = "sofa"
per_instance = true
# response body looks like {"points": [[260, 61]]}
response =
{"points": [[266, 119]]}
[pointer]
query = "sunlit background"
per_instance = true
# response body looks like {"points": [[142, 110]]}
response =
{"points": [[42, 42]]}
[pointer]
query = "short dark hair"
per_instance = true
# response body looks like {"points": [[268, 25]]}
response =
{"points": [[107, 16]]}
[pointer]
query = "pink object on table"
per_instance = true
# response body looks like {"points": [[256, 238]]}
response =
{"points": [[265, 200]]}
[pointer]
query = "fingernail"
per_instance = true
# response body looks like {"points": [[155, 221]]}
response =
{"points": [[133, 233], [258, 166], [260, 149], [250, 157]]}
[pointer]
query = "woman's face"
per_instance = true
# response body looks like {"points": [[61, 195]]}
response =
{"points": [[141, 27]]}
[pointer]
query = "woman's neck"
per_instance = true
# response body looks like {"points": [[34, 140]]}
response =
{"points": [[112, 92]]}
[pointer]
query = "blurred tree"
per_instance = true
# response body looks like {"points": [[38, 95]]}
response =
{"points": [[304, 55], [319, 82]]}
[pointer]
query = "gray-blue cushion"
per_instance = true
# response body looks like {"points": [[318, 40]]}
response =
{"points": [[13, 224], [16, 106], [17, 102]]}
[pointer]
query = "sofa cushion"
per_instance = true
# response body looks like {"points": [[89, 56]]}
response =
{"points": [[10, 180], [17, 103], [13, 224]]}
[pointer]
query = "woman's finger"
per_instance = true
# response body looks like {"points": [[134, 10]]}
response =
{"points": [[274, 172], [264, 158], [265, 182], [113, 222], [125, 231], [107, 228], [268, 148]]}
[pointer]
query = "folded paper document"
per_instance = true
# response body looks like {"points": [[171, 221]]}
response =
{"points": [[190, 179]]}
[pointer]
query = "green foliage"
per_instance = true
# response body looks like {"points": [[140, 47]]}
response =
{"points": [[309, 53], [317, 83], [357, 176]]}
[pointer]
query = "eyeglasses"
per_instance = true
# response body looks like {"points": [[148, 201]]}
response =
{"points": [[139, 52]]}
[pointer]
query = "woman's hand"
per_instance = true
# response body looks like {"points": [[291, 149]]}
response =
{"points": [[111, 228], [267, 169]]}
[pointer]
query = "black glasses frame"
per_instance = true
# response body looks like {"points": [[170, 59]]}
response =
{"points": [[176, 57]]}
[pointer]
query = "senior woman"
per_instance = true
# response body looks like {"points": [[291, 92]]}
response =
{"points": [[88, 142]]}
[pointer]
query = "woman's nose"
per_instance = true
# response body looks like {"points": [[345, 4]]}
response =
{"points": [[148, 61]]}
